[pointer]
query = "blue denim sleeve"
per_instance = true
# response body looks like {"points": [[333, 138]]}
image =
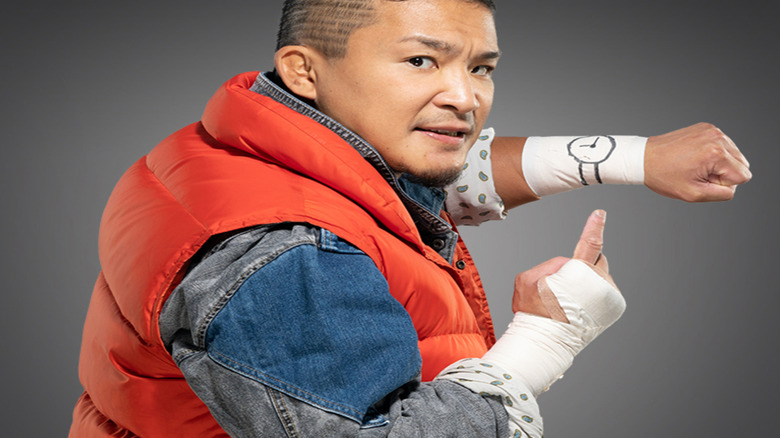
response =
{"points": [[288, 328]]}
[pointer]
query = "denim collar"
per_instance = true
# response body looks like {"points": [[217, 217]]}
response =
{"points": [[423, 203]]}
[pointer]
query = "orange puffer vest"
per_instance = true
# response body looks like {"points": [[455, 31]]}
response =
{"points": [[250, 161]]}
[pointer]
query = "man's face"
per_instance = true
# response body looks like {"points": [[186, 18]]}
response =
{"points": [[416, 84]]}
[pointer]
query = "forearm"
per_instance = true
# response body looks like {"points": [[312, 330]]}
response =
{"points": [[504, 172], [526, 169], [508, 175], [698, 163]]}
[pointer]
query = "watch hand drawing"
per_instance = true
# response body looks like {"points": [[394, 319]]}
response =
{"points": [[591, 150]]}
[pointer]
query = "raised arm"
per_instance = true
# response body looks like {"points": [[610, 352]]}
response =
{"points": [[277, 331], [698, 163]]}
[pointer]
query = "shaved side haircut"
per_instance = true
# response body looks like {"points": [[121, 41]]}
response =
{"points": [[326, 25]]}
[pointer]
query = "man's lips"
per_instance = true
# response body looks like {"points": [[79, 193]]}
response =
{"points": [[449, 131], [443, 132]]}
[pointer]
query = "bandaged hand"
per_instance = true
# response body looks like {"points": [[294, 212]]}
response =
{"points": [[561, 306]]}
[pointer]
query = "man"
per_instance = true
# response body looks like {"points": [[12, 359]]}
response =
{"points": [[281, 268]]}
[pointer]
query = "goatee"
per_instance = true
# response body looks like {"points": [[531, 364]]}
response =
{"points": [[435, 179]]}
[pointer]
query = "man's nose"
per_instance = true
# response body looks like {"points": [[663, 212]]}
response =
{"points": [[458, 92]]}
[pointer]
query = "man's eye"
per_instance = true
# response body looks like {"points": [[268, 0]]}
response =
{"points": [[482, 70], [421, 62]]}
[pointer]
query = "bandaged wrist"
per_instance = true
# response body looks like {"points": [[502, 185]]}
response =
{"points": [[558, 164], [538, 349]]}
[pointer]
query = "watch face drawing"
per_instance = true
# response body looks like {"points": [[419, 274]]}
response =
{"points": [[589, 152]]}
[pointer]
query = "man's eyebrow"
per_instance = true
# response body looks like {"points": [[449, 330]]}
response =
{"points": [[438, 45], [495, 54], [445, 47]]}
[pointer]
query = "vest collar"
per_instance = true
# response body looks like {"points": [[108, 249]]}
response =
{"points": [[423, 203]]}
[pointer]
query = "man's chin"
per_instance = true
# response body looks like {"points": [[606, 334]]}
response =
{"points": [[435, 178]]}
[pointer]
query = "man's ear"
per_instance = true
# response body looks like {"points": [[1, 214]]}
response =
{"points": [[295, 65]]}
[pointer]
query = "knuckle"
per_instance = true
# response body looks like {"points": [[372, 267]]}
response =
{"points": [[709, 128], [705, 125], [523, 279], [717, 151], [560, 259], [594, 242], [714, 133], [708, 132]]}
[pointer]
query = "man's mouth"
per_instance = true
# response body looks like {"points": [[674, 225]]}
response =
{"points": [[449, 133], [446, 132]]}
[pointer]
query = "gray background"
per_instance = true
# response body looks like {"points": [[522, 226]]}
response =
{"points": [[89, 87]]}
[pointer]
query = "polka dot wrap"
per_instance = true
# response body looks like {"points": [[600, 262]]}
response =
{"points": [[473, 199], [488, 379]]}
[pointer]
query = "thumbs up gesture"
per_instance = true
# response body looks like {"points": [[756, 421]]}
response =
{"points": [[560, 307], [532, 294]]}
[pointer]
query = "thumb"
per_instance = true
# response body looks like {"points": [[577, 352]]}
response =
{"points": [[591, 241]]}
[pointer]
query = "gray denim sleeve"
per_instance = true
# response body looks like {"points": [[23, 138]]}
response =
{"points": [[436, 409], [248, 407], [429, 409]]}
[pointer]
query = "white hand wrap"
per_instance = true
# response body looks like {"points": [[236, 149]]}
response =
{"points": [[539, 350], [558, 164]]}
